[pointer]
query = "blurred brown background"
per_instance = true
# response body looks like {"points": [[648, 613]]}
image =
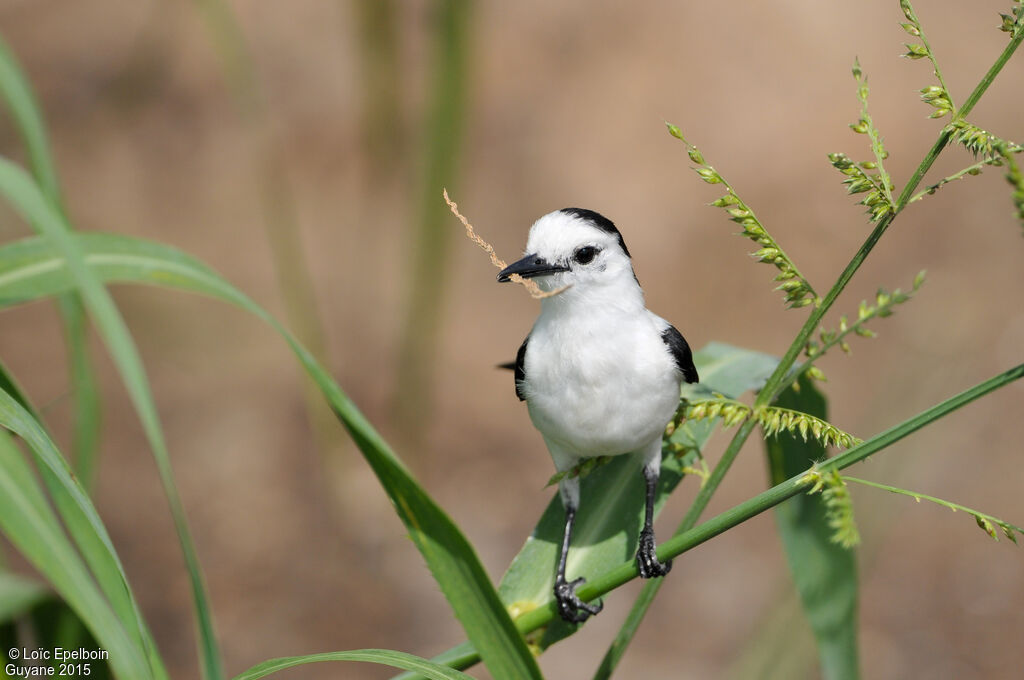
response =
{"points": [[564, 105]]}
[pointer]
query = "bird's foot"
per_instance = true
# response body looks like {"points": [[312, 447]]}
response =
{"points": [[646, 561], [571, 608]]}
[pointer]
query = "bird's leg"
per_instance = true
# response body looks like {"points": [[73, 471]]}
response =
{"points": [[571, 608], [646, 561]]}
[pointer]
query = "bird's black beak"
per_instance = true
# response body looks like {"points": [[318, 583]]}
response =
{"points": [[530, 267]]}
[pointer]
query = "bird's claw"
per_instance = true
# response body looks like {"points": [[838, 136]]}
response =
{"points": [[571, 608], [646, 561]]}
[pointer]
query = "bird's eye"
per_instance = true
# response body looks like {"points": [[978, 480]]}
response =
{"points": [[586, 254]]}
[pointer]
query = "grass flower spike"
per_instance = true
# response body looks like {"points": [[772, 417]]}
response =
{"points": [[838, 504], [796, 289]]}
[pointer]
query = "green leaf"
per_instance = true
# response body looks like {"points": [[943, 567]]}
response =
{"points": [[54, 624], [27, 199], [18, 414], [825, 574], [9, 385], [16, 92], [615, 512], [691, 538], [386, 657], [611, 498], [86, 435], [33, 268], [31, 526], [18, 595], [459, 657], [686, 540]]}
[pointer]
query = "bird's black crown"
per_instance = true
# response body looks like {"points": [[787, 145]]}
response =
{"points": [[599, 221]]}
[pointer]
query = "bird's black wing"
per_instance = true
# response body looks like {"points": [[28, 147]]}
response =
{"points": [[676, 344], [518, 367]]}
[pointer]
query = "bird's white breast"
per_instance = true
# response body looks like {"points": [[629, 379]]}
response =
{"points": [[600, 384]]}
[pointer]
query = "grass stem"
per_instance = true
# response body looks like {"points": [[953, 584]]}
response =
{"points": [[719, 524], [776, 383]]}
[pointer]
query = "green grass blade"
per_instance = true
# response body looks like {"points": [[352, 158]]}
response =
{"points": [[443, 128], [529, 580], [825, 574], [86, 427], [752, 507], [459, 657], [9, 385], [27, 199], [18, 595], [31, 526], [35, 267], [377, 32], [278, 206], [88, 533], [16, 92], [53, 624], [384, 657], [14, 89], [81, 518], [82, 521]]}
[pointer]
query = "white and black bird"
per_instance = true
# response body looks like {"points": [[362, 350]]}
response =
{"points": [[600, 374]]}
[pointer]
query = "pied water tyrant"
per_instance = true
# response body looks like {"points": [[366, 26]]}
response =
{"points": [[599, 372]]}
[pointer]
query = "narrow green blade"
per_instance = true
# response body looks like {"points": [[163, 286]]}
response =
{"points": [[442, 131], [34, 268], [9, 385], [28, 522], [530, 578], [691, 538], [16, 92], [825, 574], [54, 624], [19, 594], [77, 512], [85, 390], [459, 657], [27, 199], [384, 657]]}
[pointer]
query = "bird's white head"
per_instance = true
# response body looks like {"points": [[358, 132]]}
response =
{"points": [[581, 249]]}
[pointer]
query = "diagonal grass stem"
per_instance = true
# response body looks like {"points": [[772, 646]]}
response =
{"points": [[781, 377], [735, 516], [537, 618]]}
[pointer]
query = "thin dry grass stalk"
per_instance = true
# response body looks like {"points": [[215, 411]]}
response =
{"points": [[531, 286]]}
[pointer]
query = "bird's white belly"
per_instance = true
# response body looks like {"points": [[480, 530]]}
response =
{"points": [[594, 402]]}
